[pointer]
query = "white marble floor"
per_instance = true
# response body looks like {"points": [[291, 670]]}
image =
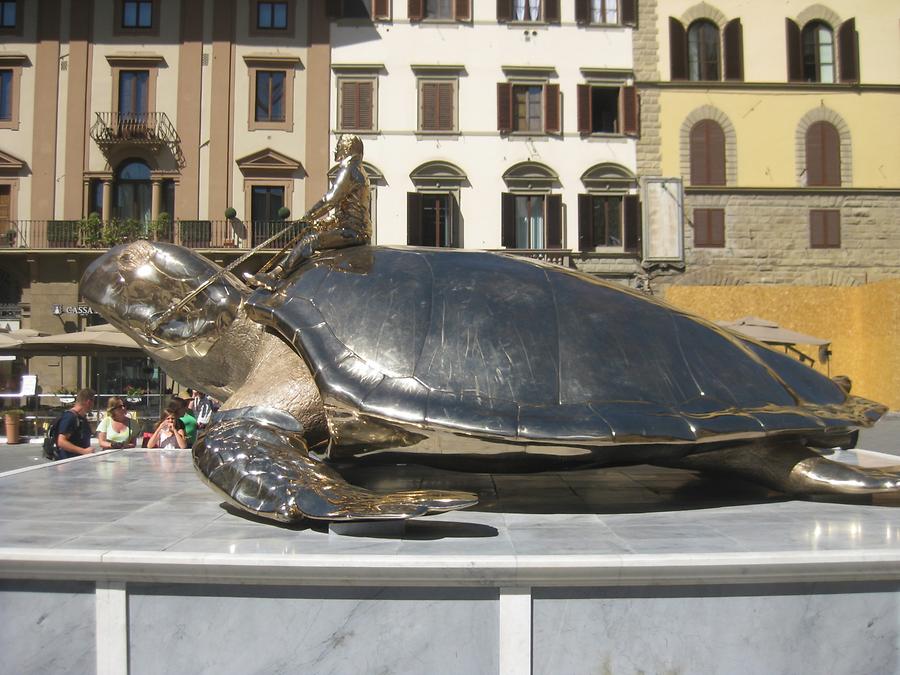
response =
{"points": [[151, 501]]}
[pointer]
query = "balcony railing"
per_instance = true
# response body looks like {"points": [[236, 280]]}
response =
{"points": [[154, 129], [93, 234]]}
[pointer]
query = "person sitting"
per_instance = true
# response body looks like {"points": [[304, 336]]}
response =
{"points": [[74, 437], [115, 429], [169, 432], [341, 218]]}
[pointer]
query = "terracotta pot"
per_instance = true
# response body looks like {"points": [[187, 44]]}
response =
{"points": [[12, 428]]}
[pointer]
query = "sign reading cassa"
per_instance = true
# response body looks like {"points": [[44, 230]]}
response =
{"points": [[80, 309]]}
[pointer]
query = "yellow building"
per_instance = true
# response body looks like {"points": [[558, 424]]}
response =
{"points": [[781, 123]]}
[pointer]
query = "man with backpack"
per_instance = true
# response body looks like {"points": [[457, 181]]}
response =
{"points": [[73, 431]]}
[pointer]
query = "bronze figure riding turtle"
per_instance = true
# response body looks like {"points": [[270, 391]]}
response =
{"points": [[466, 360]]}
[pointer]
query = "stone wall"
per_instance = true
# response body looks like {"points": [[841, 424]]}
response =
{"points": [[646, 69]]}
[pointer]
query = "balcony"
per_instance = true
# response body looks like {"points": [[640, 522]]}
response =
{"points": [[153, 130], [91, 234]]}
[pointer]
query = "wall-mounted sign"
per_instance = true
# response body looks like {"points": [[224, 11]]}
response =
{"points": [[80, 310]]}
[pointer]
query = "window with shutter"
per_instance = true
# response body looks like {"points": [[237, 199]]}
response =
{"points": [[437, 105], [709, 228], [431, 219], [527, 107], [825, 228], [413, 219], [823, 155], [531, 221], [703, 51], [551, 109], [529, 11], [818, 52], [597, 12], [631, 116], [356, 105], [631, 207], [600, 221], [381, 10], [707, 153], [504, 107], [462, 10], [554, 237]]}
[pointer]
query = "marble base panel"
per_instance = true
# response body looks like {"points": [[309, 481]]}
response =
{"points": [[140, 568], [239, 629], [796, 628], [47, 627]]}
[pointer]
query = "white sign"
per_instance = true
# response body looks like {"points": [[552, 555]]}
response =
{"points": [[81, 310], [663, 220], [29, 385]]}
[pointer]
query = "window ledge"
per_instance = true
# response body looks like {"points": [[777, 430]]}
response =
{"points": [[424, 135]]}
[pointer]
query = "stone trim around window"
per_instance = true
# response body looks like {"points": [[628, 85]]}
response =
{"points": [[121, 31], [253, 30], [708, 112], [706, 11], [151, 66], [819, 13], [821, 114], [288, 66], [13, 63]]}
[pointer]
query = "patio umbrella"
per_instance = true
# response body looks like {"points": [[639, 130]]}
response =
{"points": [[771, 333], [85, 343]]}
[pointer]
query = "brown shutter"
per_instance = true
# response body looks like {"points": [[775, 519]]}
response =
{"points": [[816, 228], [701, 227], [416, 10], [462, 10], [794, 52], [504, 107], [551, 11], [334, 9], [365, 105], [734, 50], [584, 109], [349, 104], [582, 11], [554, 221], [585, 224], [429, 106], [628, 12], [823, 155], [833, 227], [677, 49], [381, 10], [632, 216], [551, 109], [707, 153], [508, 220], [630, 111], [445, 106], [848, 51], [413, 219], [504, 10], [717, 227]]}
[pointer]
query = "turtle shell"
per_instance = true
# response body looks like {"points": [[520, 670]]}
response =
{"points": [[506, 348]]}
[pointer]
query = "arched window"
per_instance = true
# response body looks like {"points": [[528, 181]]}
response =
{"points": [[703, 51], [823, 154], [707, 153], [132, 190], [818, 52]]}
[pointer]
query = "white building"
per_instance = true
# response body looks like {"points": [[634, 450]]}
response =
{"points": [[495, 124]]}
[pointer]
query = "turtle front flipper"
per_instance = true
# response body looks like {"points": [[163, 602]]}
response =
{"points": [[258, 461]]}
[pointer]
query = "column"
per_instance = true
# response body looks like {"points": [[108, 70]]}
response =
{"points": [[107, 199], [155, 195]]}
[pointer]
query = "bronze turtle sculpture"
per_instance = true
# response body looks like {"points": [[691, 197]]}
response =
{"points": [[464, 360]]}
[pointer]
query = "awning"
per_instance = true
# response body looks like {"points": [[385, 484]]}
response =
{"points": [[770, 332], [86, 343]]}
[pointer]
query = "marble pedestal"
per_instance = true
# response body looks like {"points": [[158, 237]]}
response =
{"points": [[125, 562]]}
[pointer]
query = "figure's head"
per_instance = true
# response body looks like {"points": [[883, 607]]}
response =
{"points": [[348, 145], [133, 285]]}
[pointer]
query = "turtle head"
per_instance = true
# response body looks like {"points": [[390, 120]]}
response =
{"points": [[149, 290]]}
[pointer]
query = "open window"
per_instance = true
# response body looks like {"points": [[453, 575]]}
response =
{"points": [[609, 211], [525, 107], [608, 107], [531, 212]]}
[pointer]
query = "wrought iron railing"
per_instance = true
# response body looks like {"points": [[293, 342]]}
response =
{"points": [[92, 233], [154, 129]]}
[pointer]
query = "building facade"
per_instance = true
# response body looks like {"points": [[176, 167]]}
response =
{"points": [[679, 147]]}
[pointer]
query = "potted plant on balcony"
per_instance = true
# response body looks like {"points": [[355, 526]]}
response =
{"points": [[284, 213], [91, 231], [9, 238], [11, 419], [161, 228], [118, 231], [66, 395], [134, 394]]}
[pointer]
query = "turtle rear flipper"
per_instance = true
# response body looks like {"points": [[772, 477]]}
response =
{"points": [[267, 470], [792, 468]]}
